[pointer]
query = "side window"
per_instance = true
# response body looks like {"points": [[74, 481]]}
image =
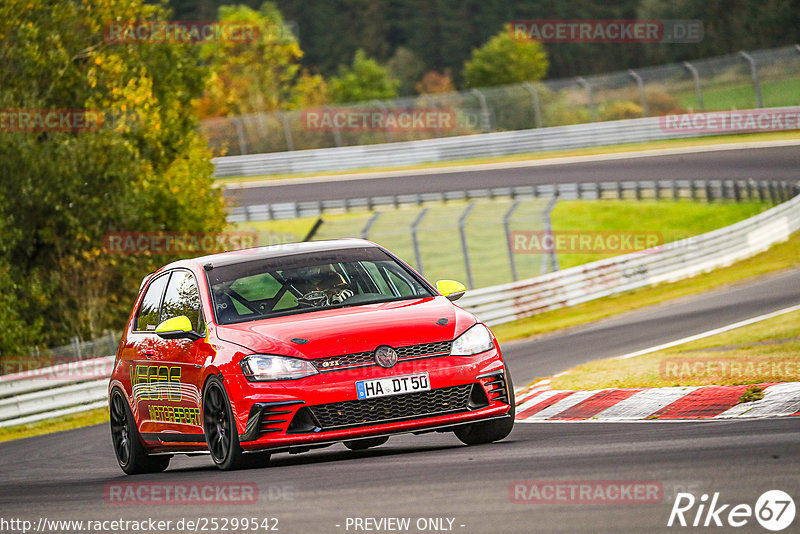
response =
{"points": [[183, 298], [147, 316]]}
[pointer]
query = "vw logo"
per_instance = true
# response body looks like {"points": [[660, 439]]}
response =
{"points": [[385, 356]]}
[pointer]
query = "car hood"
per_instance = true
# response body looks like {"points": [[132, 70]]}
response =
{"points": [[352, 329]]}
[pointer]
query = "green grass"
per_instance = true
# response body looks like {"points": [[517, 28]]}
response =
{"points": [[774, 93], [440, 240], [673, 221], [67, 422], [778, 257], [532, 156], [757, 353]]}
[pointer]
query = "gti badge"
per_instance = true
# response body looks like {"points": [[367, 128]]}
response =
{"points": [[385, 356]]}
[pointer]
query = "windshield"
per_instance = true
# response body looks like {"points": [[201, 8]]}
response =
{"points": [[308, 282]]}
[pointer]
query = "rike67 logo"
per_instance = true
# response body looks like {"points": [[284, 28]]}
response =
{"points": [[774, 510]]}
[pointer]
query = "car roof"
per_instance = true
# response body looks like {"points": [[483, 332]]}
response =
{"points": [[271, 251]]}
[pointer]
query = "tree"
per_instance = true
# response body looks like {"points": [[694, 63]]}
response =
{"points": [[250, 77], [505, 60], [407, 68], [435, 82], [364, 80], [144, 169]]}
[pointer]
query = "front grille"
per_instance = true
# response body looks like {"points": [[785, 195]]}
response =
{"points": [[424, 349], [330, 363], [386, 409]]}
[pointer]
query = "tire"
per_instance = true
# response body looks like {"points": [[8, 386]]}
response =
{"points": [[489, 431], [366, 443], [219, 427], [131, 454]]}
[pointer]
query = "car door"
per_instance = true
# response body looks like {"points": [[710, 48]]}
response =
{"points": [[141, 347], [175, 364]]}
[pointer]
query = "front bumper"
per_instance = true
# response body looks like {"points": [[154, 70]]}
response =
{"points": [[324, 408]]}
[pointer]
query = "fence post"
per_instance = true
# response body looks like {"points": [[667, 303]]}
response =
{"points": [[709, 193], [486, 123], [462, 221], [642, 94], [387, 130], [580, 80], [548, 229], [237, 123], [698, 89], [415, 239], [537, 106], [76, 347], [337, 135], [287, 131], [754, 73], [507, 227], [370, 223]]}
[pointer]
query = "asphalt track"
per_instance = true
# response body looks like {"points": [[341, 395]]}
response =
{"points": [[769, 163], [67, 475]]}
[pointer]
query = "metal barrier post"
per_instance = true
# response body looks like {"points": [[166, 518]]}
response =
{"points": [[537, 107], [462, 221], [415, 239], [287, 131], [580, 80], [237, 123], [754, 73], [486, 123], [387, 130], [372, 220], [698, 89], [642, 95], [548, 229], [507, 227]]}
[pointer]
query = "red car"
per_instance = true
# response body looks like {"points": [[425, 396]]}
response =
{"points": [[293, 347]]}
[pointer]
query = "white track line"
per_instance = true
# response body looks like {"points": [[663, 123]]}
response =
{"points": [[709, 333]]}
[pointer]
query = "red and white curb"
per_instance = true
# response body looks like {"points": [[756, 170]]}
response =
{"points": [[538, 403]]}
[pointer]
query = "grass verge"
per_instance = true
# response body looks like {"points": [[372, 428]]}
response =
{"points": [[757, 353], [440, 246], [66, 422], [780, 256], [531, 156]]}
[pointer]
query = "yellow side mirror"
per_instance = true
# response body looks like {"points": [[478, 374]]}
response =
{"points": [[451, 289], [177, 328]]}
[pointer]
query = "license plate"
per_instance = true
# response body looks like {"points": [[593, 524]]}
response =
{"points": [[395, 385]]}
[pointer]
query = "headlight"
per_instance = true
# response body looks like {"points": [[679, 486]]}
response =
{"points": [[476, 339], [265, 367]]}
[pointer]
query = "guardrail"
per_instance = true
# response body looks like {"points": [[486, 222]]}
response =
{"points": [[709, 190], [49, 392], [71, 388], [459, 148], [669, 263]]}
